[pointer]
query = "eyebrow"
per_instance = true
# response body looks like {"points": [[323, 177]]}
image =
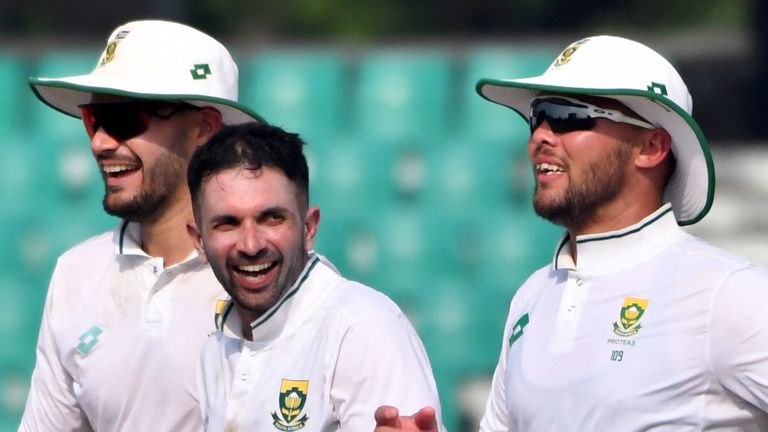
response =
{"points": [[267, 212]]}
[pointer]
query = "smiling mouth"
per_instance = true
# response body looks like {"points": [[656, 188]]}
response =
{"points": [[548, 169], [118, 170], [255, 270]]}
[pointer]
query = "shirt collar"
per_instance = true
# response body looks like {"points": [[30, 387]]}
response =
{"points": [[615, 250], [288, 313], [127, 241]]}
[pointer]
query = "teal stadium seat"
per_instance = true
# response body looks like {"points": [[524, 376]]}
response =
{"points": [[465, 179], [302, 91], [492, 124], [403, 94], [512, 244], [52, 125], [14, 94]]}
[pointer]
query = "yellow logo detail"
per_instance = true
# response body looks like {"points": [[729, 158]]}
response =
{"points": [[292, 398], [629, 316], [109, 52], [567, 53]]}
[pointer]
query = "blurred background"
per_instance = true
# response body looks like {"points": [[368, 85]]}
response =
{"points": [[424, 187]]}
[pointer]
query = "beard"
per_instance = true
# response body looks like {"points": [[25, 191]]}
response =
{"points": [[161, 181], [578, 204]]}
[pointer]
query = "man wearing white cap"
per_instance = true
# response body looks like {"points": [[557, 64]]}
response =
{"points": [[635, 325], [127, 311]]}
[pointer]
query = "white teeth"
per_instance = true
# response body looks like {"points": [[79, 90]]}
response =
{"points": [[115, 168], [549, 168], [254, 268]]}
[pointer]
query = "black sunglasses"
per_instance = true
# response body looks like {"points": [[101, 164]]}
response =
{"points": [[564, 114], [126, 120]]}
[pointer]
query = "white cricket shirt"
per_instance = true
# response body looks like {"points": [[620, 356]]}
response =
{"points": [[120, 339], [651, 329], [322, 359]]}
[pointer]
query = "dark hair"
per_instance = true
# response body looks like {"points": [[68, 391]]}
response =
{"points": [[251, 146]]}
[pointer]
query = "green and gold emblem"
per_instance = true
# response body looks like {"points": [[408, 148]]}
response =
{"points": [[568, 52], [293, 396], [629, 317], [109, 53]]}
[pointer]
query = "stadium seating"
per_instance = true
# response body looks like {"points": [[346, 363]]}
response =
{"points": [[489, 123], [402, 94], [13, 72], [297, 89]]}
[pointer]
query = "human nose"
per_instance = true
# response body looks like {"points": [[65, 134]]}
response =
{"points": [[102, 142], [252, 240], [541, 137]]}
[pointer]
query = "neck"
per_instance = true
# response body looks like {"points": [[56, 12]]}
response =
{"points": [[613, 218], [166, 236]]}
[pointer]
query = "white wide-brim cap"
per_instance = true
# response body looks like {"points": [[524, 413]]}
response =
{"points": [[641, 79], [155, 60]]}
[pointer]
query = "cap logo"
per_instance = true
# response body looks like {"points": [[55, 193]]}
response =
{"points": [[200, 71], [109, 53], [658, 88], [566, 55]]}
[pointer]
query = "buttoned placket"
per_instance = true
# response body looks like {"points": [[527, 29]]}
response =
{"points": [[241, 379], [157, 300], [569, 312]]}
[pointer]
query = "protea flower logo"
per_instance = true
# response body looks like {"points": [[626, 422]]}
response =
{"points": [[293, 396], [109, 52], [567, 53], [629, 317]]}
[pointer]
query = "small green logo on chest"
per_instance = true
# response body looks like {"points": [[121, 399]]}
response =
{"points": [[88, 340], [517, 329]]}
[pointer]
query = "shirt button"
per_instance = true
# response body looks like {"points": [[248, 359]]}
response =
{"points": [[244, 376], [579, 282]]}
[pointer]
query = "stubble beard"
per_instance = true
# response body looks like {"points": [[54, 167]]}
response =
{"points": [[578, 204], [159, 184]]}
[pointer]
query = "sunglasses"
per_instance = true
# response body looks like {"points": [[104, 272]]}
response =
{"points": [[564, 114], [123, 121]]}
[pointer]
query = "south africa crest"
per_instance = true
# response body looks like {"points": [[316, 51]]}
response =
{"points": [[629, 317], [293, 396]]}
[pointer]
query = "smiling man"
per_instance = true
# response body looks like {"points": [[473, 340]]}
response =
{"points": [[299, 348], [636, 325], [128, 310]]}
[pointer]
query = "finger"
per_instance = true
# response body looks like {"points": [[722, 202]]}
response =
{"points": [[426, 419], [386, 416]]}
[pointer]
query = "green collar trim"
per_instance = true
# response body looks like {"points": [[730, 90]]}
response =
{"points": [[121, 240], [295, 289], [627, 232]]}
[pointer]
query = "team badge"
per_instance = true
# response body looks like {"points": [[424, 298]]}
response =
{"points": [[629, 317], [293, 396], [567, 53], [109, 53]]}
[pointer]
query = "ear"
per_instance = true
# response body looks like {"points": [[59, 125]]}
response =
{"points": [[656, 144], [209, 123], [197, 239], [311, 222]]}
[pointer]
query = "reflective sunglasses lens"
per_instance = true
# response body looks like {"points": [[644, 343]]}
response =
{"points": [[561, 119], [120, 121]]}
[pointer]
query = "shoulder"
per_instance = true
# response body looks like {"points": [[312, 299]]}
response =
{"points": [[96, 248], [354, 300]]}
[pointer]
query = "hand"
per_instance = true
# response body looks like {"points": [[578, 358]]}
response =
{"points": [[388, 419]]}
